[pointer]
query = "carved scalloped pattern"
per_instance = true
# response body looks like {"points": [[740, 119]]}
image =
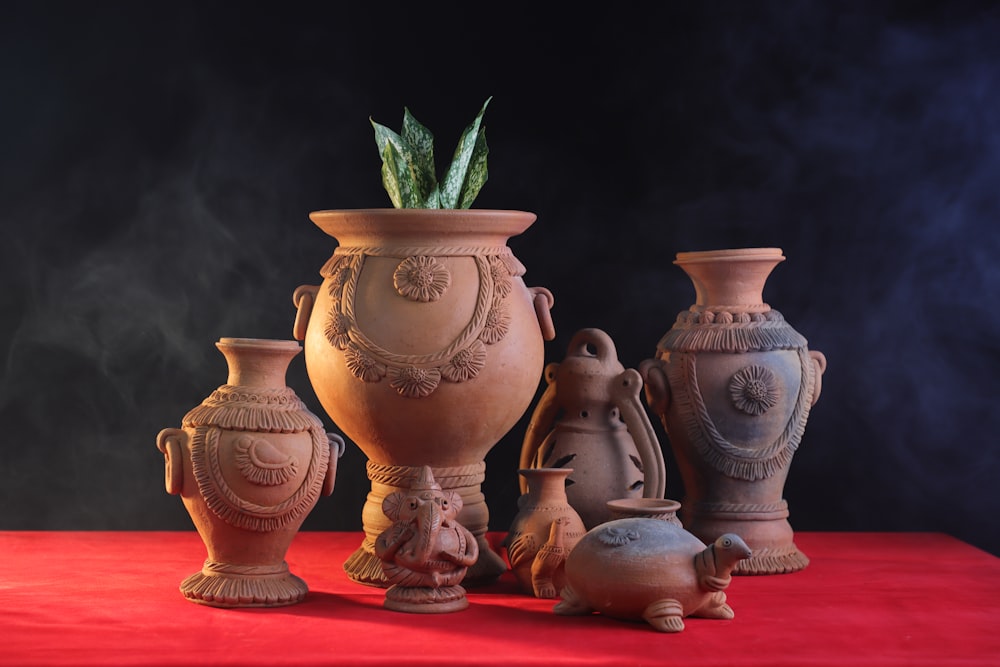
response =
{"points": [[224, 501], [417, 376], [723, 455]]}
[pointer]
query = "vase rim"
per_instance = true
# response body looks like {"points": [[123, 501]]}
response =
{"points": [[230, 341], [544, 471], [644, 503], [502, 221], [730, 254]]}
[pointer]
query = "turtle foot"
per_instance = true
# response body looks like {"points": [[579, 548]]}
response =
{"points": [[665, 616], [571, 604], [716, 608]]}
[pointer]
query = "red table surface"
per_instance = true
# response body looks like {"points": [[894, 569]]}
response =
{"points": [[111, 598]]}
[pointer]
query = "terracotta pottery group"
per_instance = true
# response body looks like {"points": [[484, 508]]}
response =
{"points": [[591, 419], [426, 552], [733, 384], [249, 462], [651, 570], [425, 347]]}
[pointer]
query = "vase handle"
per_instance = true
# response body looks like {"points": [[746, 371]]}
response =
{"points": [[544, 301], [337, 447], [625, 389], [303, 298], [169, 442], [656, 385], [819, 363], [541, 422]]}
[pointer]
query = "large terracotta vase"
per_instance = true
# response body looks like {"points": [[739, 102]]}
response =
{"points": [[425, 347], [733, 383], [249, 463]]}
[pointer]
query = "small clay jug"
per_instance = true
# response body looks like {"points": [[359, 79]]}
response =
{"points": [[591, 418], [543, 532], [733, 384], [662, 509], [249, 463]]}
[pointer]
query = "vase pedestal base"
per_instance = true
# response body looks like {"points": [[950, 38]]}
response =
{"points": [[425, 600], [228, 585], [765, 529]]}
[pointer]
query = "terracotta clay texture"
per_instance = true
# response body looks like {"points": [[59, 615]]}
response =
{"points": [[733, 384], [663, 509], [249, 463], [543, 532], [650, 570], [426, 552], [591, 418], [425, 347]]}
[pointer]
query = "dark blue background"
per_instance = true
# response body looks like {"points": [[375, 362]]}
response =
{"points": [[158, 162]]}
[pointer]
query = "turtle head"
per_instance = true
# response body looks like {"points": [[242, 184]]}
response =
{"points": [[731, 549], [714, 566]]}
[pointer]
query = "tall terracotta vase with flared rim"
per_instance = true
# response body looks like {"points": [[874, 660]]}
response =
{"points": [[733, 384], [250, 462], [425, 347]]}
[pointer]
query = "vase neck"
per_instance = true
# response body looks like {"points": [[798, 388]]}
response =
{"points": [[730, 279], [547, 485], [255, 362]]}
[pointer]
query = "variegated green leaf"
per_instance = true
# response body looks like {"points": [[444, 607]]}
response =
{"points": [[399, 173], [389, 175], [433, 199], [477, 173], [418, 182], [455, 178], [421, 142]]}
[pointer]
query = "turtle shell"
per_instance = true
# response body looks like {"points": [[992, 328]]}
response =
{"points": [[618, 568]]}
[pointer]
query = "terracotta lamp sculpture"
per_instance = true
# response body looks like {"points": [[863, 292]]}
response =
{"points": [[426, 552]]}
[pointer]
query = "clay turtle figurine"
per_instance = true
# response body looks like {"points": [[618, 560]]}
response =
{"points": [[645, 569]]}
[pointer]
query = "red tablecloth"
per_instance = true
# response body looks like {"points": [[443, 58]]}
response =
{"points": [[111, 598]]}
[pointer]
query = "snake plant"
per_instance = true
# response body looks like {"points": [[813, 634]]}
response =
{"points": [[408, 171]]}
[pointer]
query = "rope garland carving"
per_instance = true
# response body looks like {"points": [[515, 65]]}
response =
{"points": [[416, 376], [726, 457]]}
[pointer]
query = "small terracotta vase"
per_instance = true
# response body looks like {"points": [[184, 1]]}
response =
{"points": [[543, 532], [591, 418], [424, 346], [650, 570], [249, 463], [426, 552], [662, 509], [733, 383]]}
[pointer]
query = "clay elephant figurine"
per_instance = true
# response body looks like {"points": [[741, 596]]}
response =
{"points": [[426, 552]]}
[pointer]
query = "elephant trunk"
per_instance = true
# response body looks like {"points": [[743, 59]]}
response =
{"points": [[429, 521]]}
